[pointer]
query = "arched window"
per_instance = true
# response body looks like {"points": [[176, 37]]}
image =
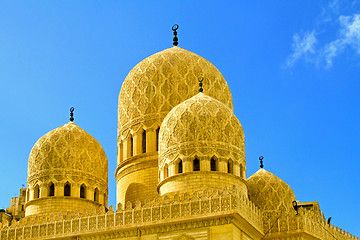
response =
{"points": [[131, 146], [83, 191], [104, 198], [241, 171], [51, 189], [67, 189], [213, 164], [157, 139], [230, 167], [180, 166], [196, 165], [144, 142], [166, 170], [96, 195], [27, 195], [36, 192]]}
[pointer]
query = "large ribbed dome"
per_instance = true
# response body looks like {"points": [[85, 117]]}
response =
{"points": [[269, 192], [68, 150], [201, 126], [162, 81]]}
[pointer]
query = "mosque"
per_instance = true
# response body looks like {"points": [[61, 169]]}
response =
{"points": [[181, 170]]}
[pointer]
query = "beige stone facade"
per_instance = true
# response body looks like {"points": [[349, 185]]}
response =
{"points": [[181, 170]]}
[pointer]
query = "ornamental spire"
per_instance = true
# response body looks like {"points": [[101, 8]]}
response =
{"points": [[72, 114], [200, 84], [261, 161], [175, 39]]}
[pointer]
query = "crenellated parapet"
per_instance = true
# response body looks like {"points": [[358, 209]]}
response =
{"points": [[210, 203], [287, 225]]}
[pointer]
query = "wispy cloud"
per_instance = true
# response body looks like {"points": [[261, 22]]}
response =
{"points": [[312, 47], [302, 47], [349, 37]]}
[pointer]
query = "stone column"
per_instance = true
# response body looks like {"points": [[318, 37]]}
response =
{"points": [[44, 188], [150, 140], [222, 165], [59, 189], [137, 143]]}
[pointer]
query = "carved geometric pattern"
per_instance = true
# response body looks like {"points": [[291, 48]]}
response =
{"points": [[201, 126], [68, 148], [162, 81], [269, 192]]}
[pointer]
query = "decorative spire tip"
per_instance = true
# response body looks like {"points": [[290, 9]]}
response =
{"points": [[175, 39], [200, 84], [261, 161], [72, 114]]}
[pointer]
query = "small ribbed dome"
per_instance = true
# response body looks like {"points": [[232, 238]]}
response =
{"points": [[162, 81], [201, 126], [269, 192], [68, 150]]}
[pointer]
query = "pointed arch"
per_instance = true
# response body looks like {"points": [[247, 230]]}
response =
{"points": [[230, 166], [143, 144], [166, 170], [213, 164], [180, 166], [83, 191], [36, 191], [196, 164], [96, 195], [67, 189], [51, 189]]}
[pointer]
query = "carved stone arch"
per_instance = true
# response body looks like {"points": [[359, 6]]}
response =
{"points": [[50, 188], [67, 179], [36, 190], [125, 135], [230, 166], [83, 190], [67, 188], [196, 163], [214, 163], [96, 196], [179, 166], [143, 132], [166, 170]]}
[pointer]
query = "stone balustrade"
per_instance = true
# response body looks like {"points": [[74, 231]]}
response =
{"points": [[210, 202], [309, 222]]}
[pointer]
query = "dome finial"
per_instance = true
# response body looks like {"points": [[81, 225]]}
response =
{"points": [[175, 39], [261, 161], [201, 79], [72, 114]]}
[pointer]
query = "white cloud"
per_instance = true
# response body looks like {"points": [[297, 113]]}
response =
{"points": [[302, 47], [349, 37]]}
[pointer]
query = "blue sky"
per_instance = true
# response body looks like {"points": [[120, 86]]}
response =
{"points": [[292, 68]]}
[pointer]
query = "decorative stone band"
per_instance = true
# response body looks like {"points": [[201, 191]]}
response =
{"points": [[208, 204], [147, 121], [202, 148], [63, 174], [194, 181]]}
